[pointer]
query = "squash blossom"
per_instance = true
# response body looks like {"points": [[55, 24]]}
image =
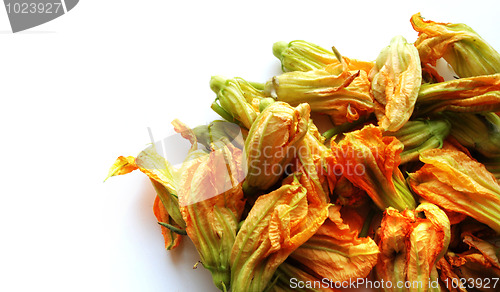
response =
{"points": [[395, 82], [370, 161], [335, 251], [478, 132], [420, 135], [411, 245], [302, 56], [163, 178], [271, 143], [305, 56], [468, 54], [235, 100], [334, 90], [456, 182], [468, 95], [277, 224], [211, 202]]}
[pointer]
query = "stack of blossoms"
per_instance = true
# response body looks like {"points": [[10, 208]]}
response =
{"points": [[403, 189]]}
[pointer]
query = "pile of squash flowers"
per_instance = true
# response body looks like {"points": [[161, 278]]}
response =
{"points": [[403, 188]]}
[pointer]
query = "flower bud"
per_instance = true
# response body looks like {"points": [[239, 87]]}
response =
{"points": [[302, 56], [395, 82], [468, 95], [333, 90], [210, 134], [272, 141], [235, 98]]}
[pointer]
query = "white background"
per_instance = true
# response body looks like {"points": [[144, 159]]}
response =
{"points": [[81, 90]]}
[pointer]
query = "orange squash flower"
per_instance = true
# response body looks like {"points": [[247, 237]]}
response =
{"points": [[166, 206], [278, 224], [411, 246], [466, 95], [456, 182], [334, 90], [211, 203], [335, 251], [370, 161], [467, 53], [395, 82]]}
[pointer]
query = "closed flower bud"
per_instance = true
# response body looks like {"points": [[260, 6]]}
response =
{"points": [[235, 99], [272, 141], [302, 56], [333, 90], [395, 82]]}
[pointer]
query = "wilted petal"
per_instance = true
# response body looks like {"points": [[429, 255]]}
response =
{"points": [[478, 132], [313, 159], [447, 275], [428, 241], [122, 165], [392, 236], [172, 239], [291, 278], [490, 251], [161, 174]]}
